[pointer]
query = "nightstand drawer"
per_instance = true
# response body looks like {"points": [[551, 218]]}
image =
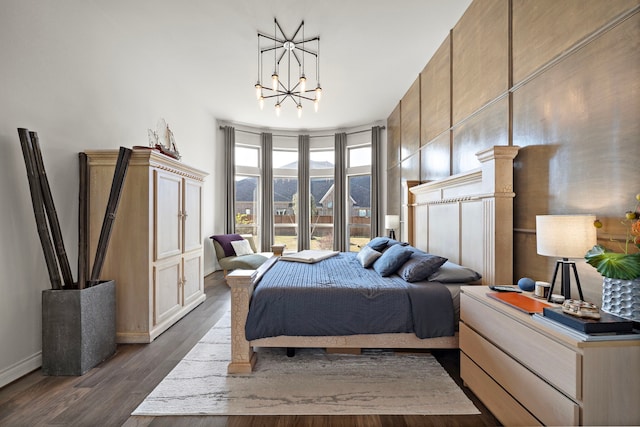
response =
{"points": [[504, 407], [545, 402], [551, 360]]}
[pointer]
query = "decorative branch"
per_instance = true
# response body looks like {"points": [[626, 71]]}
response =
{"points": [[52, 214], [38, 209], [119, 175]]}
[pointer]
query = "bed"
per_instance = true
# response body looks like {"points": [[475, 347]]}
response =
{"points": [[466, 218]]}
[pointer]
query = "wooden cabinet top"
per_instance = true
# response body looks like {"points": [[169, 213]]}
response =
{"points": [[145, 157]]}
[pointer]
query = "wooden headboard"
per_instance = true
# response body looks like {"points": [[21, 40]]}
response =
{"points": [[468, 217]]}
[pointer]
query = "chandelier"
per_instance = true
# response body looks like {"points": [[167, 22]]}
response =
{"points": [[289, 78]]}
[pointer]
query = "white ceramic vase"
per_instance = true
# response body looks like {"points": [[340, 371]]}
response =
{"points": [[621, 297]]}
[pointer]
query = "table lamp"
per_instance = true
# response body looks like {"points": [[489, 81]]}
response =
{"points": [[391, 222], [565, 236]]}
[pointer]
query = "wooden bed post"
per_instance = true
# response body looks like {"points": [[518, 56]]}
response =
{"points": [[241, 283]]}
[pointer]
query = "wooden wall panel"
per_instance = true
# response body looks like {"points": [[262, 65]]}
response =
{"points": [[487, 128], [393, 138], [578, 124], [409, 176], [586, 110], [573, 108], [435, 159], [435, 94], [410, 121], [410, 168], [393, 190], [480, 56], [555, 26]]}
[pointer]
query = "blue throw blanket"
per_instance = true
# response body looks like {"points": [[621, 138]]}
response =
{"points": [[338, 296]]}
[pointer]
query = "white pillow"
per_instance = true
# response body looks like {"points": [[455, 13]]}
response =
{"points": [[242, 247]]}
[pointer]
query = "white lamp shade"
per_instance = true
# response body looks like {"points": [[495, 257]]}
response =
{"points": [[565, 236], [391, 222]]}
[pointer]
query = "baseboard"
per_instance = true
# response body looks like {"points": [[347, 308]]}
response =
{"points": [[20, 368]]}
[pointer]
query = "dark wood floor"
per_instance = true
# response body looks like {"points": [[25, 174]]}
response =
{"points": [[106, 395]]}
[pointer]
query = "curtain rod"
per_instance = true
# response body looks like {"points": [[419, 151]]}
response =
{"points": [[295, 136]]}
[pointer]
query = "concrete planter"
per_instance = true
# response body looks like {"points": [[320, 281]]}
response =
{"points": [[78, 328]]}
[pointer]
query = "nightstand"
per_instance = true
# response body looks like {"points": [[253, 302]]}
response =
{"points": [[529, 374], [278, 249]]}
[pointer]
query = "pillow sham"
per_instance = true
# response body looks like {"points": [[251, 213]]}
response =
{"points": [[391, 260], [420, 266], [242, 247], [225, 242], [378, 243], [451, 272], [381, 244], [367, 256]]}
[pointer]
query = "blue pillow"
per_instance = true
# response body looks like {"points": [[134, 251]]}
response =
{"points": [[420, 266], [391, 260], [378, 243], [367, 256], [392, 242]]}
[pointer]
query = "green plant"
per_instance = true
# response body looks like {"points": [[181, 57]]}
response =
{"points": [[623, 265]]}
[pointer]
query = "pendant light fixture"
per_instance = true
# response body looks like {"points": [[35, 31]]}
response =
{"points": [[289, 79]]}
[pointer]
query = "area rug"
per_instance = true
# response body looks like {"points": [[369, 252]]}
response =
{"points": [[310, 383]]}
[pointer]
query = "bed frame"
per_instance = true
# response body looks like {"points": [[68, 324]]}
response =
{"points": [[467, 218]]}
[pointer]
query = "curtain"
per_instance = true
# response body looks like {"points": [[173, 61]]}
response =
{"points": [[266, 214], [230, 178], [304, 235], [339, 196], [376, 184]]}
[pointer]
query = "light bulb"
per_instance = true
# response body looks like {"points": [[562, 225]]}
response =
{"points": [[274, 80], [315, 105], [318, 92], [303, 84], [258, 90], [278, 109], [299, 110], [261, 102]]}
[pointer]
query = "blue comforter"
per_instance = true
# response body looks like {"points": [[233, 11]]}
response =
{"points": [[337, 296]]}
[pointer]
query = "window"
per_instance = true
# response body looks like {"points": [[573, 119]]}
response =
{"points": [[249, 200], [247, 203], [359, 190], [285, 192], [321, 213], [321, 165], [247, 156], [359, 156], [359, 218]]}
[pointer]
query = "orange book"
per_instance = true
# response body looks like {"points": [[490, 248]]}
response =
{"points": [[519, 301]]}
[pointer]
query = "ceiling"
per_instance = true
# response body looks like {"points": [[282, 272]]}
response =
{"points": [[370, 52]]}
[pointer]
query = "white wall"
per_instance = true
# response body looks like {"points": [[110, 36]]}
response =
{"points": [[82, 80], [95, 74]]}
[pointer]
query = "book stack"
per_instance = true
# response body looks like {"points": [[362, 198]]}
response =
{"points": [[608, 327]]}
